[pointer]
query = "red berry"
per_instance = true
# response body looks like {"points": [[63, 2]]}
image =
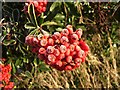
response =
{"points": [[43, 42], [79, 32], [51, 58], [73, 53], [69, 59], [81, 53], [77, 48], [35, 3], [77, 60], [50, 41], [62, 48], [41, 56], [72, 47], [61, 56], [68, 67], [83, 45], [65, 32], [56, 35], [42, 50], [50, 49], [35, 41], [70, 29], [56, 52], [74, 38], [67, 53], [59, 63], [64, 40]]}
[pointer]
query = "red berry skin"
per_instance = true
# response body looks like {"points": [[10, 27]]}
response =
{"points": [[70, 29], [78, 60], [64, 40], [35, 41], [29, 40], [56, 36], [69, 59], [59, 63], [50, 41], [83, 45], [43, 9], [51, 58], [72, 47], [81, 54], [67, 53], [67, 45], [41, 56], [56, 52], [79, 32], [77, 48], [68, 67], [35, 3], [74, 38], [42, 50], [65, 32], [61, 56], [43, 42], [78, 64], [50, 49], [63, 49], [73, 53]]}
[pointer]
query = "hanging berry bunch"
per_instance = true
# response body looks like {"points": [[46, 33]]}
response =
{"points": [[63, 51], [39, 5], [5, 77]]}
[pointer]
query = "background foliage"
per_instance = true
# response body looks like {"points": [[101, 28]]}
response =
{"points": [[101, 30]]}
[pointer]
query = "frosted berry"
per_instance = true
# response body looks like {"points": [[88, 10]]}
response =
{"points": [[43, 42], [64, 40], [74, 38], [69, 59], [77, 48], [42, 50], [79, 32], [83, 45], [63, 49], [50, 49], [56, 35], [56, 52], [65, 32], [59, 63], [68, 67], [72, 47], [70, 29], [51, 58], [67, 53], [50, 41]]}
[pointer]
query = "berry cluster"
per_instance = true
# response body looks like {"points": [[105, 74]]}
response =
{"points": [[63, 51], [5, 77], [39, 5]]}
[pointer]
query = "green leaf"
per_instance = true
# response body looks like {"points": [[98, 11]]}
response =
{"points": [[13, 68], [43, 67], [29, 25], [15, 15], [9, 42], [49, 23], [59, 16], [28, 74], [33, 32], [54, 5], [31, 12]]}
